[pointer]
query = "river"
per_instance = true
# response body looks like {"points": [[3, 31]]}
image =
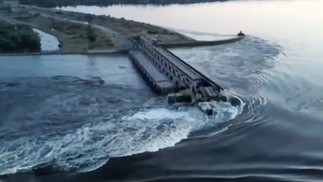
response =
{"points": [[276, 136]]}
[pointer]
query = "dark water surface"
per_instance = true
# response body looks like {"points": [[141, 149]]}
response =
{"points": [[62, 121]]}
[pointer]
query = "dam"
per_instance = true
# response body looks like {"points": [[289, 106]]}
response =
{"points": [[167, 74]]}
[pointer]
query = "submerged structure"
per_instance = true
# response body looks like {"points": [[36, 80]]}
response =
{"points": [[169, 75]]}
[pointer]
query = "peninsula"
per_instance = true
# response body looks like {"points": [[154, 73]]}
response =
{"points": [[79, 32]]}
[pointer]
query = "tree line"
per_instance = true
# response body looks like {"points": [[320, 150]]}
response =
{"points": [[60, 3]]}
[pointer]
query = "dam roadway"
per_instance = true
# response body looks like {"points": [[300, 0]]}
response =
{"points": [[169, 75]]}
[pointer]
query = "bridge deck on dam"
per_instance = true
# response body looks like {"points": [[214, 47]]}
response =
{"points": [[178, 63], [151, 71]]}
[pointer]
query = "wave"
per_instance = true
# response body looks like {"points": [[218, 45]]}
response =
{"points": [[242, 66], [77, 125]]}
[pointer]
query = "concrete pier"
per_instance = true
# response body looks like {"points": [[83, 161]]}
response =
{"points": [[195, 43]]}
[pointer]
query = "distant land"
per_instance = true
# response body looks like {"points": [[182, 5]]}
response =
{"points": [[76, 32], [60, 3]]}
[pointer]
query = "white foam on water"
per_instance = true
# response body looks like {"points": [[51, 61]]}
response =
{"points": [[90, 146]]}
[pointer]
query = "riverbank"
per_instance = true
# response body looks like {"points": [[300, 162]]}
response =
{"points": [[84, 33]]}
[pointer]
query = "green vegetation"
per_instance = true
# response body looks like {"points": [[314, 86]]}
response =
{"points": [[127, 28], [74, 37], [51, 3], [18, 38]]}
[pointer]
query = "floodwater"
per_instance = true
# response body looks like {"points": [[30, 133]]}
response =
{"points": [[76, 124]]}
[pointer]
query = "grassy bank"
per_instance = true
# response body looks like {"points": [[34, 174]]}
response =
{"points": [[82, 33], [72, 36], [127, 28]]}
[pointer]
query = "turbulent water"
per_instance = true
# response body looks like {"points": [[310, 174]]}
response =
{"points": [[78, 124], [79, 118]]}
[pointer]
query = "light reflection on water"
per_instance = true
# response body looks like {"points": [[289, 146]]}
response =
{"points": [[293, 25], [266, 18]]}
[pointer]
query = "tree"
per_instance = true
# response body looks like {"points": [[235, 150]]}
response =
{"points": [[18, 38]]}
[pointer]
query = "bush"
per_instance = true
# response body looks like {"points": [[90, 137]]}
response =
{"points": [[18, 38]]}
